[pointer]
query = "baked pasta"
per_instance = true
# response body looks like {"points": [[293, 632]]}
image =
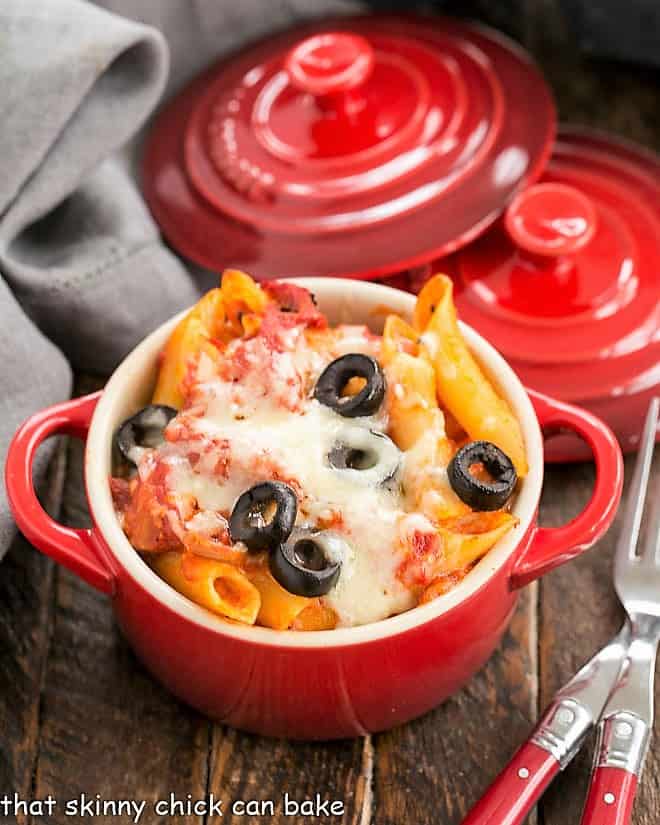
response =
{"points": [[300, 476]]}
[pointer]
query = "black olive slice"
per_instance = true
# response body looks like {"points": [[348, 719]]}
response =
{"points": [[336, 376], [476, 492], [309, 562], [252, 521], [143, 430], [368, 457]]}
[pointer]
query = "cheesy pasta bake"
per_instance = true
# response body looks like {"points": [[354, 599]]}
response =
{"points": [[300, 476]]}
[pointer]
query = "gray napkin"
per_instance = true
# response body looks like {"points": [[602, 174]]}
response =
{"points": [[81, 261]]}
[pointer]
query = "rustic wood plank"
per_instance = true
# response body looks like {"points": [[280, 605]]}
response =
{"points": [[434, 769], [106, 726], [578, 614], [245, 767], [26, 586]]}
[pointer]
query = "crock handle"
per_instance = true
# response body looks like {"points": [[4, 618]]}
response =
{"points": [[76, 549], [552, 546]]}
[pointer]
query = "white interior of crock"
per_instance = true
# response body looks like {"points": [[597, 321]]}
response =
{"points": [[342, 301]]}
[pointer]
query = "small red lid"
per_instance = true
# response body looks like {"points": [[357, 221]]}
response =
{"points": [[567, 284], [361, 147]]}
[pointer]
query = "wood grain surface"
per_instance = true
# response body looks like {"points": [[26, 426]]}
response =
{"points": [[26, 614], [78, 714]]}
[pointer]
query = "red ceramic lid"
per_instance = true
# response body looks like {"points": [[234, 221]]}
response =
{"points": [[361, 147], [567, 284]]}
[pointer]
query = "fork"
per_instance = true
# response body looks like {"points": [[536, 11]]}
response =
{"points": [[625, 727]]}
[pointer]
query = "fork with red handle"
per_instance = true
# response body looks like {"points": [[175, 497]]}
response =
{"points": [[614, 690]]}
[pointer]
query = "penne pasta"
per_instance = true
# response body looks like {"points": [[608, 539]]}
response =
{"points": [[203, 545], [204, 322], [468, 538], [241, 296], [316, 616], [461, 384], [413, 406], [219, 587], [427, 490], [442, 584], [398, 336], [279, 608], [223, 313]]}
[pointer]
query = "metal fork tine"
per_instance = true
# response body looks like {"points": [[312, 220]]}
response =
{"points": [[650, 551], [632, 520], [653, 541]]}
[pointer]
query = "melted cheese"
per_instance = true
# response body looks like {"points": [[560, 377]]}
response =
{"points": [[261, 431], [272, 442]]}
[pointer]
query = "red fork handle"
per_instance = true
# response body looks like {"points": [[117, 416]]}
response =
{"points": [[78, 550], [611, 796], [516, 789], [552, 546]]}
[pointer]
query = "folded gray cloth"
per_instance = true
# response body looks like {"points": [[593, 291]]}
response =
{"points": [[81, 261]]}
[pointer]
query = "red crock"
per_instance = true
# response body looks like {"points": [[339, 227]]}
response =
{"points": [[567, 284], [356, 147], [317, 685]]}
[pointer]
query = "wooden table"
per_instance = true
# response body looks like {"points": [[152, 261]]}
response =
{"points": [[78, 714]]}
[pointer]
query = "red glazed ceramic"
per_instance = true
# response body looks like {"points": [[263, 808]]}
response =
{"points": [[316, 685], [567, 284], [362, 147]]}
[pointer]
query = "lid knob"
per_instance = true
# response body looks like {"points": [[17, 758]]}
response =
{"points": [[330, 63], [550, 220]]}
